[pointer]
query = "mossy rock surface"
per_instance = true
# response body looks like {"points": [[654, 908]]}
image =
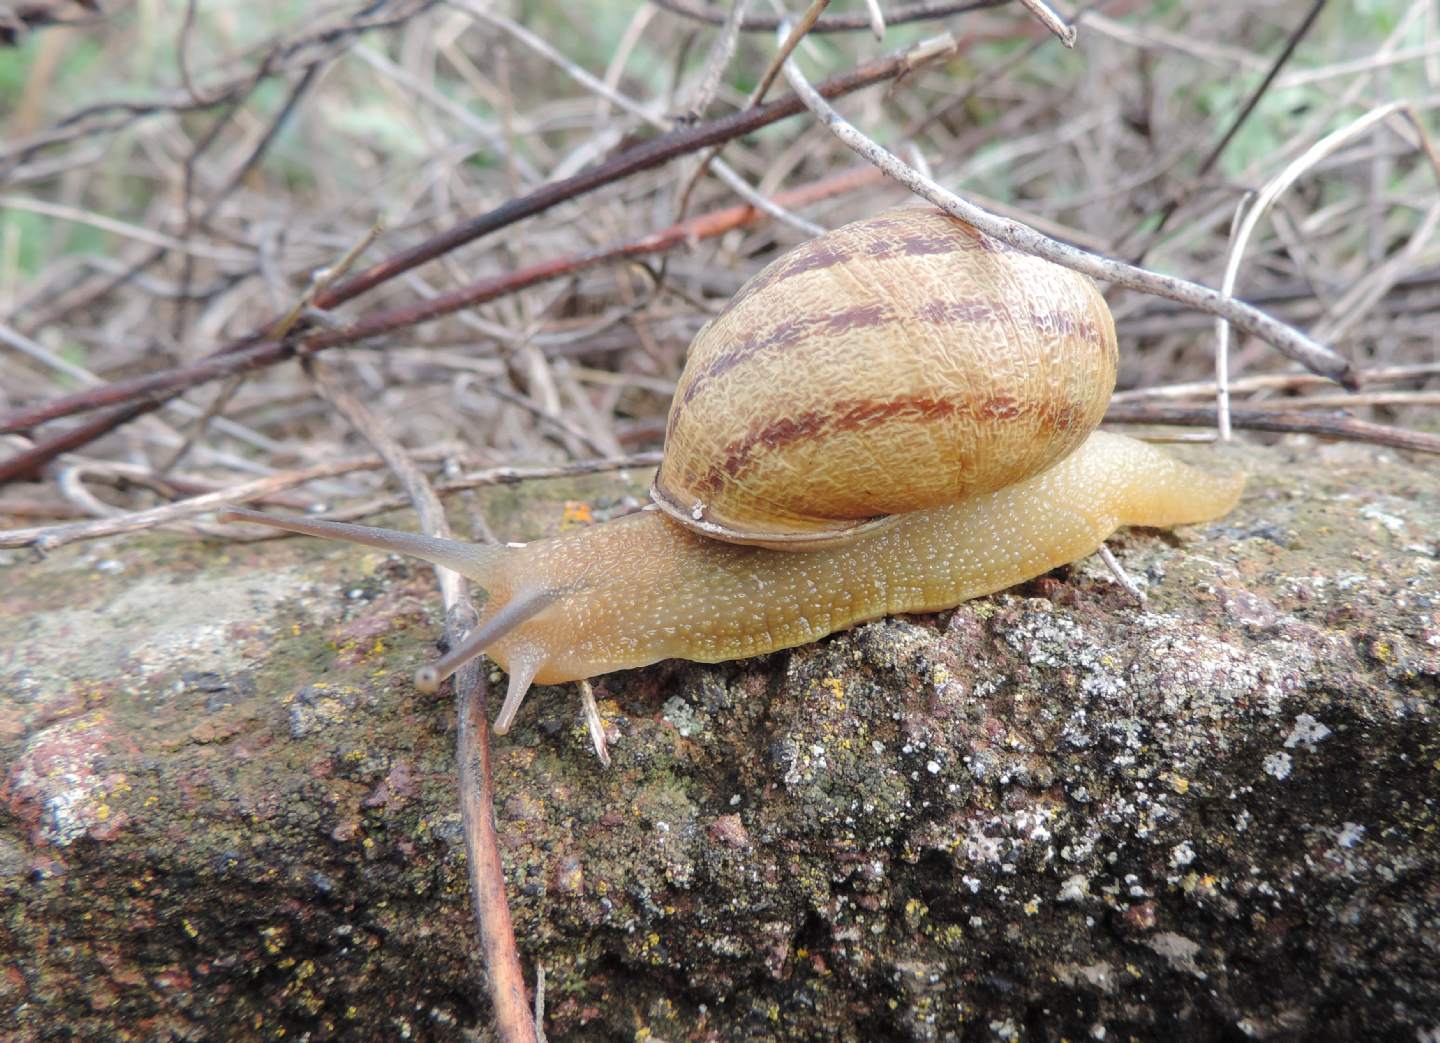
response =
{"points": [[225, 813]]}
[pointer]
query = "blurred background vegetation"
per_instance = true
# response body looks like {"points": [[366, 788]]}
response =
{"points": [[172, 175]]}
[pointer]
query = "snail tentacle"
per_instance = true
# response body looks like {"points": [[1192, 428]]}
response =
{"points": [[476, 561], [512, 615], [525, 662]]}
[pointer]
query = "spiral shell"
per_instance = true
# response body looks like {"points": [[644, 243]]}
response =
{"points": [[894, 364]]}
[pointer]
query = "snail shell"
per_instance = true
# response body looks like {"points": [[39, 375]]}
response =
{"points": [[894, 364]]}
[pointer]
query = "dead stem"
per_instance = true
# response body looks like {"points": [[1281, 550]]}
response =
{"points": [[513, 1019]]}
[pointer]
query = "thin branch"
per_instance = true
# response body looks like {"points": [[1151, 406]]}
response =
{"points": [[50, 537], [1263, 201], [642, 157], [296, 94], [1344, 428], [1046, 16], [841, 23], [736, 183], [159, 240], [1213, 156], [276, 62], [1286, 339], [1357, 400], [721, 51], [1279, 382], [777, 62], [877, 19], [513, 1019]]}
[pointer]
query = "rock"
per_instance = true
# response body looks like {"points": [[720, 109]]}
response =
{"points": [[226, 814]]}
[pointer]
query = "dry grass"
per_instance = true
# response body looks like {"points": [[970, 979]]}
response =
{"points": [[172, 177]]}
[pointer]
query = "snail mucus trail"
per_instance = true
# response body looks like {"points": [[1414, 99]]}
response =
{"points": [[894, 417]]}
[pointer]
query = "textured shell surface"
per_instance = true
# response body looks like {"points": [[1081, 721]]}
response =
{"points": [[894, 364]]}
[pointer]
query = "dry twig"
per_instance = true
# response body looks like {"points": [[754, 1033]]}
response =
{"points": [[513, 1019], [1287, 340], [1339, 427], [900, 15]]}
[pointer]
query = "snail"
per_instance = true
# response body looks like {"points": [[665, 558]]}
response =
{"points": [[894, 417]]}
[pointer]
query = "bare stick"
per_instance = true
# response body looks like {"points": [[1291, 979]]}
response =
{"points": [[842, 23], [1173, 203], [487, 879], [513, 1019], [1052, 21], [721, 51], [762, 88], [1355, 401], [1286, 339], [631, 161], [318, 282], [1267, 196], [593, 721], [49, 537], [731, 178], [877, 19], [1340, 427], [1278, 382], [1118, 571]]}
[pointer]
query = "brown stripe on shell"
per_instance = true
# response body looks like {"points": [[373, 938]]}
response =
{"points": [[919, 244], [1065, 324], [1058, 323], [819, 254], [786, 334], [847, 415], [856, 414], [999, 407], [975, 311], [813, 256]]}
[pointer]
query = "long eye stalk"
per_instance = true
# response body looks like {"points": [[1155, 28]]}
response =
{"points": [[476, 561]]}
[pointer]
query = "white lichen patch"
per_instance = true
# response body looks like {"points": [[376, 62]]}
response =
{"points": [[1350, 835], [1390, 522], [1278, 765], [683, 716], [1306, 733]]}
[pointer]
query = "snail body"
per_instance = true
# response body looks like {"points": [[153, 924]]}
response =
{"points": [[688, 580]]}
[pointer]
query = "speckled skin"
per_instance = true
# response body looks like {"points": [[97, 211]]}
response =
{"points": [[894, 364], [645, 589], [641, 588]]}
